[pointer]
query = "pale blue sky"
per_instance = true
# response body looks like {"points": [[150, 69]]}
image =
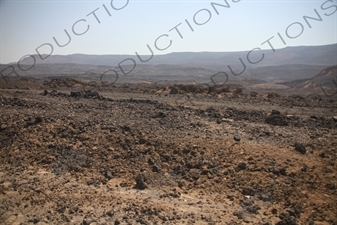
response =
{"points": [[25, 25]]}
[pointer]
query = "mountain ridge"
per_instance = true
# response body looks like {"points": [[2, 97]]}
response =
{"points": [[311, 55], [325, 78]]}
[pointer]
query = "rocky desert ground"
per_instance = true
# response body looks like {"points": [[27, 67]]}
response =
{"points": [[142, 154]]}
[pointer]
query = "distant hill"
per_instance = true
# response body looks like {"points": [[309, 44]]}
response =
{"points": [[326, 78], [140, 73], [309, 55], [284, 73], [284, 65]]}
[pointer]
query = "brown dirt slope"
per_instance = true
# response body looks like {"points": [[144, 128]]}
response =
{"points": [[69, 159]]}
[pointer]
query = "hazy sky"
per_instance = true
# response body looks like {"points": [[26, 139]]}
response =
{"points": [[246, 24]]}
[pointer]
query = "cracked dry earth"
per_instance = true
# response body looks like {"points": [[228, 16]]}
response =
{"points": [[125, 160]]}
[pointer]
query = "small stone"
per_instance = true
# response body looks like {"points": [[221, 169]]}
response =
{"points": [[66, 218], [161, 115], [230, 196], [30, 123], [300, 148], [286, 219], [75, 94], [265, 197], [3, 126], [126, 128], [314, 117], [186, 150], [242, 166], [248, 191], [240, 214], [140, 182], [248, 202], [334, 118], [275, 112], [64, 134], [108, 174], [253, 209], [276, 119], [331, 186], [88, 221], [237, 138], [142, 140], [150, 161], [322, 155], [34, 220], [283, 171], [38, 120], [166, 157], [155, 168], [110, 213], [274, 211]]}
